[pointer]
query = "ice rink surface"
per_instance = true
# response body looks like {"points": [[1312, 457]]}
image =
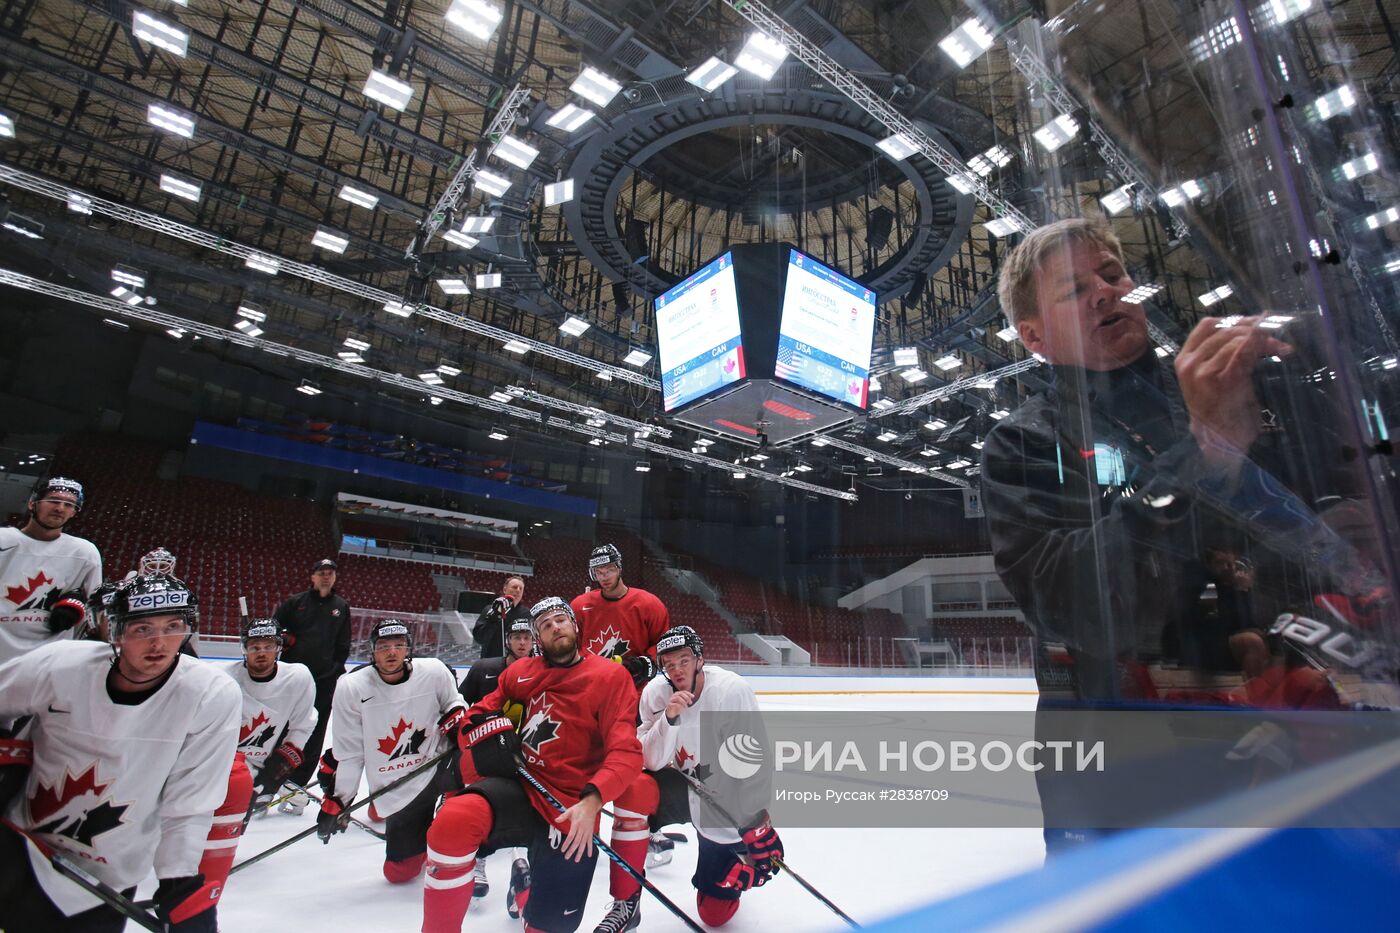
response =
{"points": [[871, 874]]}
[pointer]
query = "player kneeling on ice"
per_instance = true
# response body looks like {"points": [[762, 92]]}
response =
{"points": [[579, 741], [388, 718], [129, 748], [278, 708], [731, 859]]}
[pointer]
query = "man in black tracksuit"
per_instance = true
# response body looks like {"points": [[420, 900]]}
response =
{"points": [[316, 626], [496, 619]]}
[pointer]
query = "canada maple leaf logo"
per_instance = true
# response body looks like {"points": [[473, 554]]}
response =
{"points": [[540, 726], [683, 756], [250, 736], [609, 644], [402, 740], [18, 594], [74, 809]]}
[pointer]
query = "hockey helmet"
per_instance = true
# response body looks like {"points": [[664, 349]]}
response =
{"points": [[151, 595], [390, 628], [601, 556], [260, 628], [521, 627], [158, 561], [101, 597], [547, 605], [677, 637], [58, 484]]}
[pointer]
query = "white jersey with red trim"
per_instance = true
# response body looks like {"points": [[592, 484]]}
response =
{"points": [[386, 730], [118, 787], [32, 574], [286, 700], [680, 745]]}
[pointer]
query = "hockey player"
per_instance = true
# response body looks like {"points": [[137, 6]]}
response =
{"points": [[131, 750], [580, 741], [278, 707], [731, 859], [481, 680], [45, 575], [389, 717], [617, 620]]}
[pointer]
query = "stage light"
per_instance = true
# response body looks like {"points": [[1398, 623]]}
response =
{"points": [[1008, 334], [480, 224], [604, 376], [935, 424], [454, 286], [1003, 226], [711, 74], [949, 362], [431, 378], [887, 436], [989, 161], [252, 312], [175, 332], [434, 400], [498, 434], [261, 263], [1361, 165], [309, 388], [570, 118], [761, 55], [642, 467], [559, 192], [1215, 296], [474, 17], [1382, 218], [180, 188], [1178, 195], [7, 126], [875, 384], [929, 452], [330, 240], [248, 328], [1334, 102], [1281, 11], [388, 90], [820, 442], [574, 326], [881, 404], [1162, 352], [125, 275], [1141, 293], [999, 414], [119, 325], [961, 182], [596, 442], [354, 195], [913, 376], [906, 356], [595, 87], [350, 356], [486, 280], [168, 118], [124, 294], [79, 204], [967, 42], [499, 396], [516, 152], [458, 238], [637, 358], [158, 32], [1118, 200], [399, 308], [356, 344], [493, 184], [516, 346], [1057, 132], [447, 369], [897, 147]]}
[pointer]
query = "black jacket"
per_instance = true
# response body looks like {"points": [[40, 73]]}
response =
{"points": [[490, 629], [481, 679], [319, 631], [1100, 506]]}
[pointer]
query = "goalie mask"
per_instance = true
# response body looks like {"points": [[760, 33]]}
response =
{"points": [[158, 561]]}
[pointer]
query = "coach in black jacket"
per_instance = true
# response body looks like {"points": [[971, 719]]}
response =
{"points": [[316, 626], [496, 619]]}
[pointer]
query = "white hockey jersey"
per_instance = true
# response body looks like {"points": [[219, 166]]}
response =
{"points": [[286, 700], [31, 572], [385, 730], [118, 787], [664, 744]]}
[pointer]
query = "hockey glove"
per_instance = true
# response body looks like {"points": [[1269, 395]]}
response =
{"points": [[452, 720], [742, 876], [493, 742], [179, 899], [332, 819], [641, 668], [66, 610], [764, 846], [502, 605], [325, 772], [16, 757], [284, 759]]}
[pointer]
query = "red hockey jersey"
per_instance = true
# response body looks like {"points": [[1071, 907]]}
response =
{"points": [[612, 628], [579, 727]]}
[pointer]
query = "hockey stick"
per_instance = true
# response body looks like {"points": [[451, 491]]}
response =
{"points": [[98, 889], [431, 762], [360, 823], [704, 792], [609, 852]]}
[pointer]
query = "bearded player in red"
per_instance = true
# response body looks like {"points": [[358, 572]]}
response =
{"points": [[579, 739], [620, 621]]}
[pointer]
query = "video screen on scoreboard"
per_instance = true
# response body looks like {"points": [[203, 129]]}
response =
{"points": [[825, 332], [697, 334]]}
